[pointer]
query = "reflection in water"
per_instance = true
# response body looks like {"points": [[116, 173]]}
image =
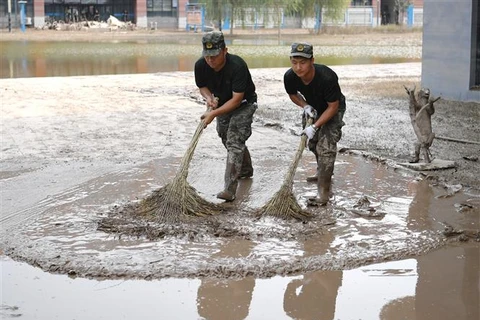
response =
{"points": [[59, 59], [441, 285], [419, 212], [227, 299], [449, 280], [314, 296], [51, 67], [367, 291]]}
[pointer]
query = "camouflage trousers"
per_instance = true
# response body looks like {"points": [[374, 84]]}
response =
{"points": [[324, 143], [234, 129]]}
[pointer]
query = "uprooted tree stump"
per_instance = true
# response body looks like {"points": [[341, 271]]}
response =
{"points": [[421, 109]]}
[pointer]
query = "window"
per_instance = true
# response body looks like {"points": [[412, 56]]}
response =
{"points": [[475, 78], [165, 8], [361, 3]]}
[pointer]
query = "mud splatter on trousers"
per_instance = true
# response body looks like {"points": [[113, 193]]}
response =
{"points": [[234, 129], [324, 147]]}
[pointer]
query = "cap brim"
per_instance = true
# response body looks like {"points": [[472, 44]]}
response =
{"points": [[207, 53], [299, 54]]}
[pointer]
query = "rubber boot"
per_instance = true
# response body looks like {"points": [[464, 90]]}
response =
{"points": [[247, 169], [314, 178], [324, 183], [231, 177], [324, 190]]}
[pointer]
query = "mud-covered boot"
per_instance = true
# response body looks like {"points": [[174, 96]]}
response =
{"points": [[247, 169], [231, 180], [324, 183], [314, 178], [324, 191], [324, 194], [226, 195]]}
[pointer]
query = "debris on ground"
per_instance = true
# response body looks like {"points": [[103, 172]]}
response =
{"points": [[111, 24]]}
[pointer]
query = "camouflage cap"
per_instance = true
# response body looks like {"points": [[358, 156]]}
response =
{"points": [[303, 49], [213, 42]]}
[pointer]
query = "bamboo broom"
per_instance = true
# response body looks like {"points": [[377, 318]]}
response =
{"points": [[178, 201], [283, 203]]}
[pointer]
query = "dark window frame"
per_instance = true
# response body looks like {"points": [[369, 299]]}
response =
{"points": [[361, 3], [162, 6], [167, 8], [475, 51]]}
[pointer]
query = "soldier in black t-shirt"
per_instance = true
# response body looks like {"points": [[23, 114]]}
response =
{"points": [[225, 82], [315, 88]]}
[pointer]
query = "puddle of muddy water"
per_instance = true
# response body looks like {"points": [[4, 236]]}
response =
{"points": [[438, 286], [21, 59], [63, 236]]}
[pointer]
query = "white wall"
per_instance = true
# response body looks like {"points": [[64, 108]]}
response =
{"points": [[447, 45]]}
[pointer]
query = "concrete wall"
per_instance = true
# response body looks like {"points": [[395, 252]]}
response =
{"points": [[39, 13], [447, 49], [141, 13]]}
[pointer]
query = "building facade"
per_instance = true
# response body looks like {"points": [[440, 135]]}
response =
{"points": [[451, 49], [165, 13], [175, 13]]}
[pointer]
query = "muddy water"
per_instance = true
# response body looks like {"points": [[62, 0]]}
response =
{"points": [[50, 210], [21, 59], [334, 274], [440, 285], [409, 215]]}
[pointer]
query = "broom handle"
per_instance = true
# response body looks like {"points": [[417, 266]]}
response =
{"points": [[298, 155], [191, 148]]}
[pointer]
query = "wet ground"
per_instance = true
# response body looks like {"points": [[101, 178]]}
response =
{"points": [[442, 284], [404, 217], [72, 148]]}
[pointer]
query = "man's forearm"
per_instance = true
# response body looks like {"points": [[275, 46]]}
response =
{"points": [[229, 106], [328, 114], [298, 100]]}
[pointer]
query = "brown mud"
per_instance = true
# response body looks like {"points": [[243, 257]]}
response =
{"points": [[77, 149]]}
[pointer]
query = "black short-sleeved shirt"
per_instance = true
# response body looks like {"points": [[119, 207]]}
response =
{"points": [[234, 77], [322, 89]]}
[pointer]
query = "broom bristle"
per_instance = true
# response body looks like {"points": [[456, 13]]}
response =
{"points": [[178, 201], [283, 203]]}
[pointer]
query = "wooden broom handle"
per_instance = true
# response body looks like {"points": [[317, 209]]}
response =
{"points": [[298, 155]]}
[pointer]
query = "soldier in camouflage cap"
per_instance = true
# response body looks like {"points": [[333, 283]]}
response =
{"points": [[225, 83], [213, 42], [315, 88]]}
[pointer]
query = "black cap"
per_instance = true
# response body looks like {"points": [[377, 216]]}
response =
{"points": [[303, 49], [213, 42]]}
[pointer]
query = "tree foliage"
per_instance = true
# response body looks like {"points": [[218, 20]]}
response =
{"points": [[400, 8], [402, 5], [306, 7], [241, 11]]}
